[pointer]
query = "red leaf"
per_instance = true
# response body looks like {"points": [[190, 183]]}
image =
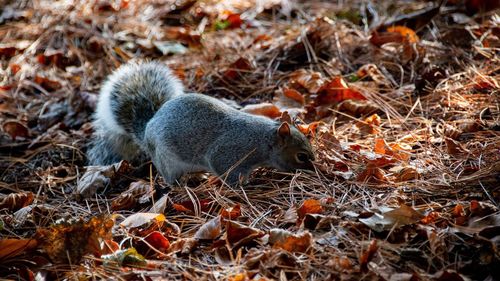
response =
{"points": [[157, 240], [336, 91]]}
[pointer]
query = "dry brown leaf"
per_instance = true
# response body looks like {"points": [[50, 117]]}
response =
{"points": [[265, 109], [183, 245], [10, 248], [294, 95], [368, 255], [335, 91], [69, 241], [97, 177], [209, 230], [310, 80], [189, 206], [15, 129], [16, 201], [288, 241], [238, 234], [309, 206], [231, 213]]}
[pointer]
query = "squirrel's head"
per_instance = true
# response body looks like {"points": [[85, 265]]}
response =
{"points": [[294, 150]]}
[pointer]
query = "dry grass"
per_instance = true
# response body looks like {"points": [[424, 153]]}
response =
{"points": [[451, 127]]}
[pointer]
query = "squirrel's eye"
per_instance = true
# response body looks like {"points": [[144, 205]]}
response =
{"points": [[301, 157]]}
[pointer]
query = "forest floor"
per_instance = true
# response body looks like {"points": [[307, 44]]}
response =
{"points": [[400, 100]]}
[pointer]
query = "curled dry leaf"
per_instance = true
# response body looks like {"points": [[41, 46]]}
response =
{"points": [[157, 240], [401, 216], [10, 248], [372, 174], [370, 125], [265, 109], [368, 255], [335, 91], [237, 67], [125, 257], [210, 230], [231, 213], [70, 241], [238, 234], [309, 129], [16, 201], [309, 206], [294, 95], [97, 177], [142, 220], [183, 246], [398, 151], [134, 194], [288, 241], [15, 129], [309, 80], [191, 207]]}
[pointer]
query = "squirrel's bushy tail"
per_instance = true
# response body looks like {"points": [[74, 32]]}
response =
{"points": [[129, 98]]}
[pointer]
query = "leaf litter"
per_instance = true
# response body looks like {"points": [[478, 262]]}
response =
{"points": [[399, 99]]}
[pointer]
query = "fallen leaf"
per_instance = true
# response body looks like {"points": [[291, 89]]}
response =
{"points": [[10, 247], [309, 129], [15, 129], [408, 34], [183, 246], [66, 242], [335, 91], [368, 255], [237, 67], [401, 216], [97, 177], [238, 234], [231, 213], [47, 84], [209, 230], [309, 206], [142, 220], [294, 95], [264, 109], [309, 80], [16, 201], [286, 240], [125, 257], [191, 207], [157, 240]]}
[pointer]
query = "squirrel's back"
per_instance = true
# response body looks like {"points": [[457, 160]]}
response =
{"points": [[133, 94]]}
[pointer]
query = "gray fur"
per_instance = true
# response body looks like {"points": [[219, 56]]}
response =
{"points": [[184, 133]]}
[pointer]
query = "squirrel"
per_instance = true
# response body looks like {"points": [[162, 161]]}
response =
{"points": [[144, 114]]}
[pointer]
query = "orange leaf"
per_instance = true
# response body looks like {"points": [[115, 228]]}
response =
{"points": [[290, 242], [368, 255], [264, 109], [458, 211], [231, 213], [47, 84], [15, 68], [430, 218], [336, 91], [309, 206], [13, 247], [408, 34], [294, 95], [310, 128]]}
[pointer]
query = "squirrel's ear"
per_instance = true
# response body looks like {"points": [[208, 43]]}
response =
{"points": [[284, 130]]}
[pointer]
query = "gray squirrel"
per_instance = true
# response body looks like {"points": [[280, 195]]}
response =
{"points": [[143, 113]]}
